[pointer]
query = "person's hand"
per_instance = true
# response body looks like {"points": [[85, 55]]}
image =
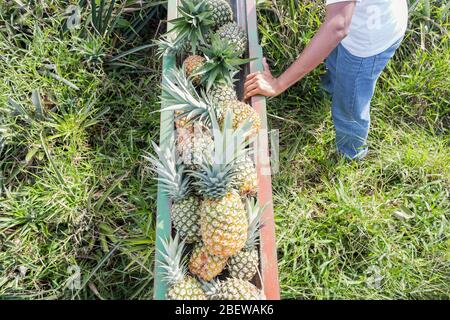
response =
{"points": [[262, 83]]}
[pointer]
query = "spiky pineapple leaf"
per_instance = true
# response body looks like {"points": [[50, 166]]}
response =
{"points": [[179, 94], [216, 175], [194, 22], [222, 62], [254, 214], [172, 175], [173, 261]]}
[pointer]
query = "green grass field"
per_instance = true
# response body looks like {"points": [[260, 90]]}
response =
{"points": [[77, 199]]}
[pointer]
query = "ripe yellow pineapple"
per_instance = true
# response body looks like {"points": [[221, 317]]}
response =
{"points": [[223, 224], [223, 221], [242, 112], [222, 92], [182, 97], [244, 265], [246, 177], [182, 121], [192, 64], [181, 286], [205, 265]]}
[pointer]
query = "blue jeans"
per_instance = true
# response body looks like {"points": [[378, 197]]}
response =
{"points": [[351, 81]]}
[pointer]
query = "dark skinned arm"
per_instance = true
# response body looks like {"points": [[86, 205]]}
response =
{"points": [[335, 28]]}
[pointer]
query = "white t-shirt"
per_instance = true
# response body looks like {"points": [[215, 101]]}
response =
{"points": [[376, 25]]}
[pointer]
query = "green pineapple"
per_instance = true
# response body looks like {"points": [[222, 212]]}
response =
{"points": [[181, 286], [244, 265], [232, 289], [222, 62], [222, 92], [234, 35], [221, 11], [195, 20], [223, 221], [176, 183]]}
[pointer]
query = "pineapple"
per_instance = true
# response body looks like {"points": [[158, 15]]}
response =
{"points": [[221, 11], [195, 20], [167, 45], [232, 289], [191, 65], [176, 183], [244, 264], [205, 265], [222, 92], [181, 286], [246, 177], [224, 97], [193, 145], [182, 122], [223, 221], [223, 225], [234, 35], [242, 112], [222, 62], [180, 95]]}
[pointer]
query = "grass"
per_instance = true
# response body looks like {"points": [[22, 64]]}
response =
{"points": [[77, 201]]}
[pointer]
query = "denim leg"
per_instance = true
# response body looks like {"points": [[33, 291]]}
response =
{"points": [[354, 87], [329, 77]]}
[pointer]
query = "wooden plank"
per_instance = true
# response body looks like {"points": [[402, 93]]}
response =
{"points": [[240, 15], [269, 262], [163, 220]]}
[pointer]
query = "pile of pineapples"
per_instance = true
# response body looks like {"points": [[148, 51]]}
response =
{"points": [[207, 171]]}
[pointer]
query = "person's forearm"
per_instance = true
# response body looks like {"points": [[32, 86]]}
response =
{"points": [[329, 35]]}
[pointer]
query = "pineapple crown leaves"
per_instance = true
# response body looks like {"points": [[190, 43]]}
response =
{"points": [[179, 93], [194, 21], [216, 176], [210, 288], [222, 62], [254, 213], [167, 46], [174, 180], [230, 144], [174, 265]]}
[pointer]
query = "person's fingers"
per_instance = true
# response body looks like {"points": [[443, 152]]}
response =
{"points": [[252, 93], [251, 75], [249, 83], [252, 87]]}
